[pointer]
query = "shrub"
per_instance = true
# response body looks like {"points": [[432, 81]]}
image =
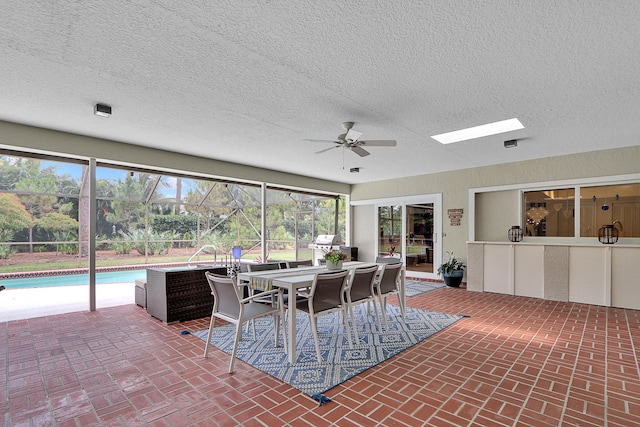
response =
{"points": [[122, 247], [6, 251]]}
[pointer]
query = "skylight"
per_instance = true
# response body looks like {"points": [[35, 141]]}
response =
{"points": [[479, 131]]}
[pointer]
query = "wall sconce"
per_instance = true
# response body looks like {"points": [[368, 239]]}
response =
{"points": [[515, 234], [608, 234]]}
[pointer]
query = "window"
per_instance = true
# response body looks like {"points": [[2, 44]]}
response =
{"points": [[610, 204], [552, 212], [549, 213], [390, 223], [148, 217], [39, 207], [295, 219]]}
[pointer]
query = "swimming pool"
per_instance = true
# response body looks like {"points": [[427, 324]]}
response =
{"points": [[74, 279]]}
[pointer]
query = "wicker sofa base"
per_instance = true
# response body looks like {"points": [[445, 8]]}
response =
{"points": [[176, 295]]}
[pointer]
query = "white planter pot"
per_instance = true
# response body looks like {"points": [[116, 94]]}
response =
{"points": [[334, 266]]}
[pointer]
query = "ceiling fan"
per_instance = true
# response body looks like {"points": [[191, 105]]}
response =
{"points": [[351, 140]]}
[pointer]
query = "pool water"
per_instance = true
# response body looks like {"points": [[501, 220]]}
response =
{"points": [[74, 279]]}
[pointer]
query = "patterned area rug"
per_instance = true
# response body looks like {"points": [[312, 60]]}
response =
{"points": [[417, 287], [340, 362]]}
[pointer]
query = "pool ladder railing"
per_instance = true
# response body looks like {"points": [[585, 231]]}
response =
{"points": [[202, 248]]}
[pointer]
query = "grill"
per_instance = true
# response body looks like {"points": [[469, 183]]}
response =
{"points": [[327, 242]]}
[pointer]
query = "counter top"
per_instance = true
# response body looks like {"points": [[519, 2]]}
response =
{"points": [[560, 243]]}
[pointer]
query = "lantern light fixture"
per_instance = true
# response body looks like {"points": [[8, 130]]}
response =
{"points": [[515, 234], [608, 234]]}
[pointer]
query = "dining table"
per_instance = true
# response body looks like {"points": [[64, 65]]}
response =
{"points": [[293, 279]]}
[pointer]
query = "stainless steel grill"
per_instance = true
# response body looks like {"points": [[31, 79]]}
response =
{"points": [[328, 242]]}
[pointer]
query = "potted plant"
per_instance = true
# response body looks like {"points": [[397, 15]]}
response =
{"points": [[334, 259], [452, 271]]}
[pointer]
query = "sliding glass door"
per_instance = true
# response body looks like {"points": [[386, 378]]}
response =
{"points": [[419, 237], [410, 230]]}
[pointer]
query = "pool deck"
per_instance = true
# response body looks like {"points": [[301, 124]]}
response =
{"points": [[20, 304]]}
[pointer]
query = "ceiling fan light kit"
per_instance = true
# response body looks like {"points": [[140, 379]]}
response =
{"points": [[351, 140]]}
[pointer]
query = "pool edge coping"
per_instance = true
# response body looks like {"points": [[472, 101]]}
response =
{"points": [[85, 270]]}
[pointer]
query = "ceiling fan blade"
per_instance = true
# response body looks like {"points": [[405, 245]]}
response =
{"points": [[381, 143], [327, 149], [352, 135], [319, 140], [359, 151]]}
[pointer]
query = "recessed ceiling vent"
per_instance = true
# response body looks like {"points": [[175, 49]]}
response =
{"points": [[102, 110]]}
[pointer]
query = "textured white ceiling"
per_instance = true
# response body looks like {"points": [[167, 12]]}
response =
{"points": [[247, 81]]}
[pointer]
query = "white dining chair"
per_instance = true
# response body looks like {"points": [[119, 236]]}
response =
{"points": [[360, 290], [387, 284], [259, 290], [229, 305], [296, 264], [326, 296]]}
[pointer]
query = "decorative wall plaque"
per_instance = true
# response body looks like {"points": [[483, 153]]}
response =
{"points": [[455, 215]]}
